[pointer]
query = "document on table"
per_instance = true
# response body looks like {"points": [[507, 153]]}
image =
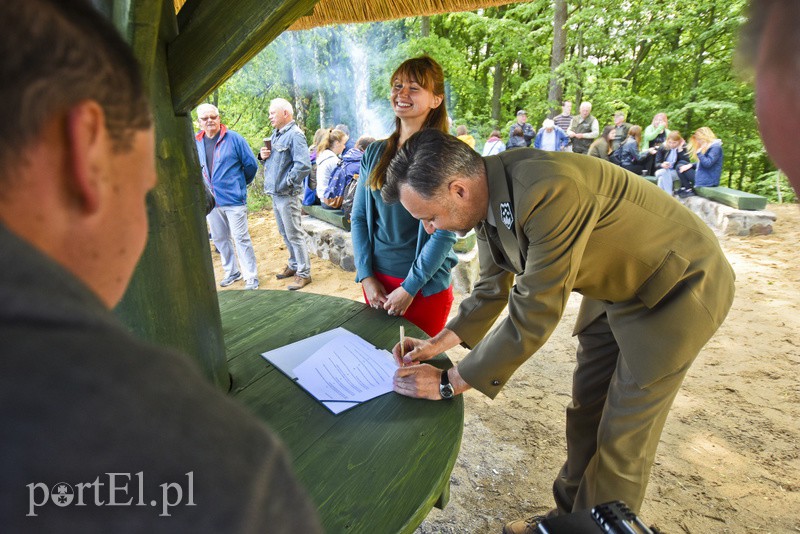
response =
{"points": [[338, 368]]}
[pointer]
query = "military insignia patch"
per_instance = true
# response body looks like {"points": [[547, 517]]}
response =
{"points": [[506, 215]]}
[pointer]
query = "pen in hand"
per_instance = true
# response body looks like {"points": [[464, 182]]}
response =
{"points": [[402, 345]]}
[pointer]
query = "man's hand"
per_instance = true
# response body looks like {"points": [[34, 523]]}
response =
{"points": [[422, 381], [398, 301], [265, 152], [415, 351], [376, 293], [419, 381]]}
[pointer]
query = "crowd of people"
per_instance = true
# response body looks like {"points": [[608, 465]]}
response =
{"points": [[677, 165]]}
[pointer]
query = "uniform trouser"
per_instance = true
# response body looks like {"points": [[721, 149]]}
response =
{"points": [[228, 229], [613, 425], [287, 217]]}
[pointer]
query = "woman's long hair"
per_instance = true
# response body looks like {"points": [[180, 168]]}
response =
{"points": [[329, 137], [703, 135], [429, 75], [636, 133]]}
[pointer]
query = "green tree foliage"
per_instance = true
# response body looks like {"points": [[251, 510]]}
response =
{"points": [[633, 55]]}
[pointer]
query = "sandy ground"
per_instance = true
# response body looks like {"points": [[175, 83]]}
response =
{"points": [[729, 458]]}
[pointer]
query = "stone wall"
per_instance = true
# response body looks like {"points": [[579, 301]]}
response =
{"points": [[726, 220], [336, 245]]}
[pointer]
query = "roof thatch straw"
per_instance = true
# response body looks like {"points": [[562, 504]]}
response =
{"points": [[330, 12]]}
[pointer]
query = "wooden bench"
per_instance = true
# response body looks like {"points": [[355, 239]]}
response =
{"points": [[334, 217], [733, 198]]}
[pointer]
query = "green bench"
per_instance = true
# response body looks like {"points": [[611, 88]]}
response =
{"points": [[733, 198], [725, 195], [334, 217]]}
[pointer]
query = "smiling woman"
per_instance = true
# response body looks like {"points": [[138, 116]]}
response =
{"points": [[402, 268]]}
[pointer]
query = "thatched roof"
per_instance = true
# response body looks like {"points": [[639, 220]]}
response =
{"points": [[329, 12]]}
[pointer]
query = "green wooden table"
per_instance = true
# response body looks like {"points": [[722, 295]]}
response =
{"points": [[377, 468]]}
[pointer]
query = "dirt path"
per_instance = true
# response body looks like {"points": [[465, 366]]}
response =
{"points": [[729, 459]]}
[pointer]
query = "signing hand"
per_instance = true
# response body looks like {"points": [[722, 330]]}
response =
{"points": [[415, 351], [398, 301], [420, 381], [376, 294]]}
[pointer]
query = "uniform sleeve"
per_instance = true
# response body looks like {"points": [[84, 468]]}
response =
{"points": [[430, 259], [489, 297], [557, 225]]}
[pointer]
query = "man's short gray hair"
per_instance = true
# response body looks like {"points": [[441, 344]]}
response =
{"points": [[282, 104], [428, 160], [205, 107]]}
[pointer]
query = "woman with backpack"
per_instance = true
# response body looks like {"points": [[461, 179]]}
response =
{"points": [[328, 150], [403, 269]]}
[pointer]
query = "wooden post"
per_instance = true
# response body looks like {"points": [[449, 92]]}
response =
{"points": [[172, 298]]}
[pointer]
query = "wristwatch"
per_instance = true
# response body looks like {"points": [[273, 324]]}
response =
{"points": [[446, 388]]}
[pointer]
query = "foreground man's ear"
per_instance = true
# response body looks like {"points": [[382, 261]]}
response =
{"points": [[87, 147]]}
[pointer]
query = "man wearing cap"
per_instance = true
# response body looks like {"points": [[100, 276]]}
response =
{"points": [[527, 131]]}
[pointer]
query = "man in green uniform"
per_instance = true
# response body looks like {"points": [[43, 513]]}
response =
{"points": [[655, 282]]}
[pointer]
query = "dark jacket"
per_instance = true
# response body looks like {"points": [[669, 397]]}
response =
{"points": [[81, 397]]}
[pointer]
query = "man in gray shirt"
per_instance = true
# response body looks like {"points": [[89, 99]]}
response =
{"points": [[100, 431], [286, 164]]}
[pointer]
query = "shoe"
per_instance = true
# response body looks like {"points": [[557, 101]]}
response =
{"points": [[251, 284], [299, 283], [528, 526], [685, 193], [286, 273], [228, 280]]}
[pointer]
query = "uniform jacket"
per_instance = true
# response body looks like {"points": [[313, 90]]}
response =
{"points": [[234, 167], [566, 222]]}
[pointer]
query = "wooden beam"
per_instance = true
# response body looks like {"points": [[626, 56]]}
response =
{"points": [[219, 37], [172, 298]]}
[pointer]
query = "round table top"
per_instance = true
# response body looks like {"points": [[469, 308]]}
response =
{"points": [[376, 468]]}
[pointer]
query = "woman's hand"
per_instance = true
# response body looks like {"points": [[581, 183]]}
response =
{"points": [[684, 168], [376, 294], [398, 301]]}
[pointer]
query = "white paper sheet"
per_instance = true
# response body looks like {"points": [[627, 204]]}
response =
{"points": [[338, 368]]}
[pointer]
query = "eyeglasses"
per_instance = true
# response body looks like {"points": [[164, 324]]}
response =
{"points": [[209, 118]]}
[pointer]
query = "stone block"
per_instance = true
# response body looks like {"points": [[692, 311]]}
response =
{"points": [[726, 220], [329, 242]]}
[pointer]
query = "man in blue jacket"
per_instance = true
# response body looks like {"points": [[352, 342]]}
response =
{"points": [[229, 166]]}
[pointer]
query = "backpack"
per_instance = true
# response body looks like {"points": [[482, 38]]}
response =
{"points": [[310, 185], [334, 191], [349, 195]]}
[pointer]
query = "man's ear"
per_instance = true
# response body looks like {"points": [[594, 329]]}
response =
{"points": [[459, 188], [87, 149]]}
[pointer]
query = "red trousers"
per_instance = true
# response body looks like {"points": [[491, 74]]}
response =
{"points": [[428, 313]]}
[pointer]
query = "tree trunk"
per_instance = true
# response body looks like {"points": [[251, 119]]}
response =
{"points": [[497, 90], [555, 91], [299, 108], [425, 26], [320, 92]]}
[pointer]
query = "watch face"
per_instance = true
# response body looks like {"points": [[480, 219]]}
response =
{"points": [[446, 391]]}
